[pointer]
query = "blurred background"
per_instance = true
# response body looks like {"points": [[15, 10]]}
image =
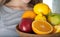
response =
{"points": [[53, 4]]}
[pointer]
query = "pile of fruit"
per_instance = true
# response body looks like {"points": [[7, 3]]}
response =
{"points": [[40, 20]]}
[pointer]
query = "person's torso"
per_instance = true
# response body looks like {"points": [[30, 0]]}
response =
{"points": [[8, 20]]}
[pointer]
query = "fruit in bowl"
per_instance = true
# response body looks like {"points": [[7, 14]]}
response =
{"points": [[41, 8], [54, 18], [40, 17], [57, 29], [29, 14], [22, 34], [37, 21], [25, 25], [42, 27]]}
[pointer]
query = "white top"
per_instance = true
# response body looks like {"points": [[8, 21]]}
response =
{"points": [[9, 18]]}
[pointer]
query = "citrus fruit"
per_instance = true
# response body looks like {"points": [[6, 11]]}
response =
{"points": [[57, 29], [41, 8], [40, 17], [42, 27], [29, 14], [54, 18]]}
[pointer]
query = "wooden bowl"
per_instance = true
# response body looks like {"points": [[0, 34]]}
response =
{"points": [[22, 34]]}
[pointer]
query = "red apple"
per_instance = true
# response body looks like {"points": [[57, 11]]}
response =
{"points": [[26, 25]]}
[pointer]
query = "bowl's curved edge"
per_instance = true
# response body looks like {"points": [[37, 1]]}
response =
{"points": [[35, 35]]}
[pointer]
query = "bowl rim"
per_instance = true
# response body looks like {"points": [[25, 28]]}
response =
{"points": [[54, 35]]}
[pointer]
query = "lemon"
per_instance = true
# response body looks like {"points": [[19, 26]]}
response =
{"points": [[41, 8], [57, 27], [40, 17]]}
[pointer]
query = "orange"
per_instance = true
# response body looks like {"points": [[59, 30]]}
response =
{"points": [[41, 8], [42, 27], [29, 14]]}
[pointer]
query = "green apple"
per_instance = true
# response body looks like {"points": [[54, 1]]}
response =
{"points": [[54, 18]]}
